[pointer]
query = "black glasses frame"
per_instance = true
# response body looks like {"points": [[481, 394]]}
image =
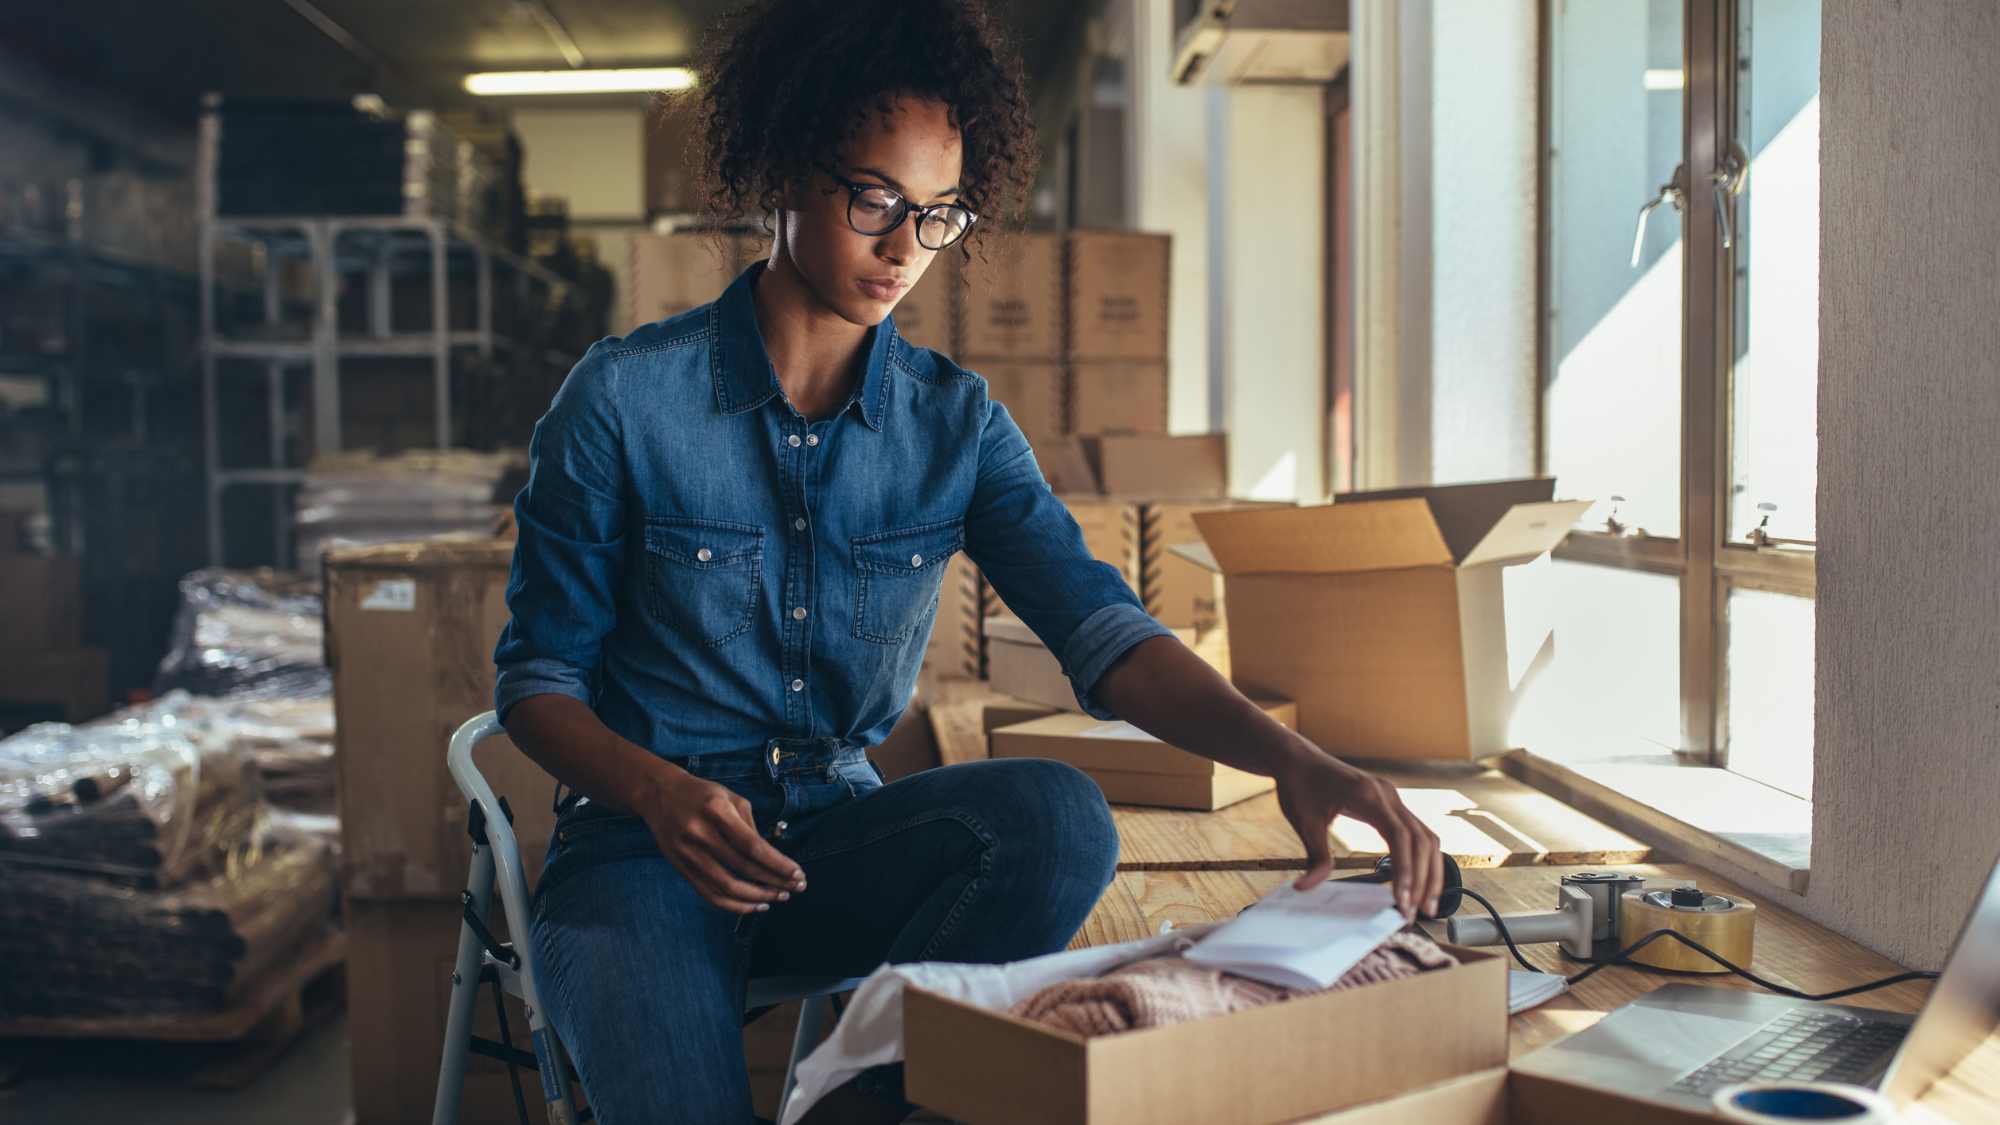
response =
{"points": [[904, 209]]}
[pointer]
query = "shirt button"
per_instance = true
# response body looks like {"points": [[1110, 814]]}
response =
{"points": [[704, 554], [916, 561], [798, 613], [812, 439], [798, 685], [793, 441], [799, 524]]}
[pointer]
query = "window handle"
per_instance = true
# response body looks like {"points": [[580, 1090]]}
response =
{"points": [[1727, 181], [1670, 192]]}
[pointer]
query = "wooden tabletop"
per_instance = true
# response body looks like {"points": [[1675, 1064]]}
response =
{"points": [[1483, 818], [1790, 950]]}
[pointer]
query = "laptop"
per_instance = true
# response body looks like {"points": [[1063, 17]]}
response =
{"points": [[1680, 1043]]}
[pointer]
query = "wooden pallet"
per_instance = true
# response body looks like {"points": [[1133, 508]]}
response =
{"points": [[272, 1015]]}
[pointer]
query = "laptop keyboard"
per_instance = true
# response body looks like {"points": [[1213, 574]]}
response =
{"points": [[1803, 1045]]}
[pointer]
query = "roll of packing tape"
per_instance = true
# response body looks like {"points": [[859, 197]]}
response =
{"points": [[1786, 1103], [1723, 924]]}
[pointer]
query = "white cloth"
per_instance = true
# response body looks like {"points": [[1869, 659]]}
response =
{"points": [[870, 1031]]}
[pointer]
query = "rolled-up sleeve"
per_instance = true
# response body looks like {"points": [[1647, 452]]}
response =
{"points": [[569, 558], [1030, 548]]}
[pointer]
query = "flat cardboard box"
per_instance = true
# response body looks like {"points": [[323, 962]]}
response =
{"points": [[41, 601], [1010, 711], [927, 315], [1118, 294], [1117, 398], [1498, 1096], [1033, 394], [1280, 1062], [1012, 304], [1189, 466], [1133, 767], [1384, 617], [1018, 664], [410, 630], [671, 273]]}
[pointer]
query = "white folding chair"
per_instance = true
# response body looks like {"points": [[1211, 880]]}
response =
{"points": [[510, 966]]}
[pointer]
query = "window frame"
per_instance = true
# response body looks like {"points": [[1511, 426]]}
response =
{"points": [[1704, 559]]}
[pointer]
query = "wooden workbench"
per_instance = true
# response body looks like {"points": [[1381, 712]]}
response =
{"points": [[1482, 817], [1790, 949]]}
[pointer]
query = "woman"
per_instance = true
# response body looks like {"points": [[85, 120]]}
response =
{"points": [[730, 551]]}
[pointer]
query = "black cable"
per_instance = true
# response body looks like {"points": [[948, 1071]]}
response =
{"points": [[1620, 958], [1475, 896]]}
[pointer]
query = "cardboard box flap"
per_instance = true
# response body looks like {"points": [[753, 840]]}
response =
{"points": [[1465, 512], [1198, 554], [1327, 539], [1526, 531]]}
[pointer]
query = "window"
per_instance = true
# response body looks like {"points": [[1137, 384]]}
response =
{"points": [[1680, 351]]}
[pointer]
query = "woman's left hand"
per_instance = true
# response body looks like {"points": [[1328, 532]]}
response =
{"points": [[1317, 787]]}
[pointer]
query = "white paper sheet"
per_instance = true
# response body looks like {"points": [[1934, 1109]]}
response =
{"points": [[1303, 939], [1116, 729], [1527, 990]]}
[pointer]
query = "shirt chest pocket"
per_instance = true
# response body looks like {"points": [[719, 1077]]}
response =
{"points": [[702, 576], [897, 577]]}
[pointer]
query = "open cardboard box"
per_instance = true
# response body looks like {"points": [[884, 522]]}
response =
{"points": [[1276, 1063], [1503, 1097], [1133, 767], [1383, 614]]}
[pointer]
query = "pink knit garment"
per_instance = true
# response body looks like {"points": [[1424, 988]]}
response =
{"points": [[1169, 989]]}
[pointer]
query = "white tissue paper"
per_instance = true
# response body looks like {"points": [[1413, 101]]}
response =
{"points": [[870, 1031]]}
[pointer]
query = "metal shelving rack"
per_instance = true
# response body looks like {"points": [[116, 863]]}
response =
{"points": [[335, 246]]}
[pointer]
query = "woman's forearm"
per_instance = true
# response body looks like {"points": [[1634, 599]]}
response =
{"points": [[1164, 689], [565, 737]]}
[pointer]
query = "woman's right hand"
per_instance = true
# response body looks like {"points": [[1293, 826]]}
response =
{"points": [[708, 833]]}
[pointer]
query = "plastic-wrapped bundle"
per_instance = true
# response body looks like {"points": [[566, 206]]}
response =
{"points": [[143, 799], [356, 498], [91, 948], [291, 740], [247, 633]]}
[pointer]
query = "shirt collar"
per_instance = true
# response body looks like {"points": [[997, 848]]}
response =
{"points": [[744, 377]]}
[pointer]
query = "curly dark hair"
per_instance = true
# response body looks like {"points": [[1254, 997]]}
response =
{"points": [[784, 83]]}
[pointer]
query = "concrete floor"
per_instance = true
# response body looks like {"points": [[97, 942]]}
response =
{"points": [[71, 1083]]}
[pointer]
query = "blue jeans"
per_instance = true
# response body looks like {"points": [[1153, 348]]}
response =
{"points": [[645, 980]]}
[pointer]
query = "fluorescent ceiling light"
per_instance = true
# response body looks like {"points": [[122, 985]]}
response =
{"points": [[1664, 79], [639, 79]]}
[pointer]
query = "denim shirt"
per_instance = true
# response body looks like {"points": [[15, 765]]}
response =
{"points": [[709, 570]]}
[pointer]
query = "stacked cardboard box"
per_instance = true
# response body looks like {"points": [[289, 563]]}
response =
{"points": [[410, 635], [1011, 330], [1117, 338], [672, 273], [927, 316], [51, 675], [957, 648]]}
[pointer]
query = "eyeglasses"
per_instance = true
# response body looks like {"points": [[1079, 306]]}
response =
{"points": [[875, 210]]}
